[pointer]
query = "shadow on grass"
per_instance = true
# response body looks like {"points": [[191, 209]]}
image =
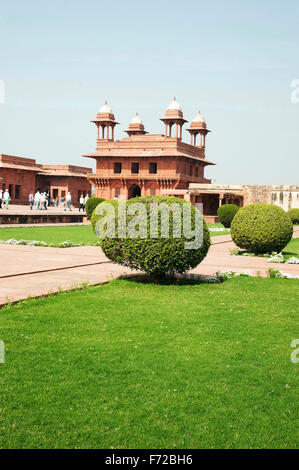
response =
{"points": [[180, 280], [289, 253]]}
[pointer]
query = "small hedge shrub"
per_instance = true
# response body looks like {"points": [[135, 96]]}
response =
{"points": [[226, 213], [91, 204], [294, 215], [261, 228], [158, 256]]}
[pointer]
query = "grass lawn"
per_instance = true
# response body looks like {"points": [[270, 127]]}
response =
{"points": [[76, 233], [218, 225], [131, 365], [292, 249]]}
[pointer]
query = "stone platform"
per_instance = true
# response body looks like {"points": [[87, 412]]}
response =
{"points": [[23, 215]]}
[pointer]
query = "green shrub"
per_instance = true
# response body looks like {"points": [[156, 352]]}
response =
{"points": [[160, 255], [294, 215], [91, 204], [261, 228], [226, 213]]}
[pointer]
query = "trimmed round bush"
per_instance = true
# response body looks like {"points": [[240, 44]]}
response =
{"points": [[226, 213], [91, 204], [261, 228], [153, 250], [294, 215]]}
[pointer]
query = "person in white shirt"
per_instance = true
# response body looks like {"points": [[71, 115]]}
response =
{"points": [[6, 198], [37, 197], [42, 201], [86, 199], [1, 197], [82, 203], [68, 201]]}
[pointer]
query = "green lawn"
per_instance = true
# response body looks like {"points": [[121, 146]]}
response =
{"points": [[77, 234], [218, 225], [292, 249], [131, 365]]}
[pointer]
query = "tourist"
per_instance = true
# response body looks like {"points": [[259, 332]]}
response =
{"points": [[42, 201], [56, 201], [1, 196], [68, 200], [86, 199], [82, 203], [46, 201], [6, 198], [61, 201], [31, 200], [37, 197]]}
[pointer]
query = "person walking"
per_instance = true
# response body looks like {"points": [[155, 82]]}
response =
{"points": [[81, 201], [6, 198], [42, 201], [1, 197], [68, 201], [31, 200], [37, 197]]}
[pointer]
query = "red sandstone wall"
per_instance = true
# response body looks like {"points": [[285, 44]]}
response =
{"points": [[13, 178], [64, 184]]}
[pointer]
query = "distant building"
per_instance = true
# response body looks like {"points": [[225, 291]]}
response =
{"points": [[162, 164], [23, 175], [146, 164]]}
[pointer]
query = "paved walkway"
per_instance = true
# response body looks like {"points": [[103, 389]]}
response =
{"points": [[23, 210], [35, 271]]}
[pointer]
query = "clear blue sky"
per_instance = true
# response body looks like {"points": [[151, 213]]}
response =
{"points": [[233, 60]]}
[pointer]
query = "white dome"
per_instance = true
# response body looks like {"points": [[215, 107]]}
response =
{"points": [[136, 119], [199, 118], [105, 108], [174, 105]]}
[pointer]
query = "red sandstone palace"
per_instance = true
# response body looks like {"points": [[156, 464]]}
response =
{"points": [[148, 164], [21, 176]]}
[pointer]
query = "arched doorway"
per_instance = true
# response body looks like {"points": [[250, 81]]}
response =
{"points": [[134, 191]]}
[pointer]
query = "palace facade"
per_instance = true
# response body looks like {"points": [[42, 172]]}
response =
{"points": [[21, 176], [148, 164], [162, 164]]}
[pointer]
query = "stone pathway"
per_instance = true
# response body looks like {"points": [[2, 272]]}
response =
{"points": [[36, 271], [23, 210]]}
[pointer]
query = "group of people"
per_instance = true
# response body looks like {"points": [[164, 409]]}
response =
{"points": [[4, 199], [41, 201], [82, 201]]}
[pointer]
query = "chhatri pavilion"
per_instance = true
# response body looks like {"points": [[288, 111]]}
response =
{"points": [[148, 164]]}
